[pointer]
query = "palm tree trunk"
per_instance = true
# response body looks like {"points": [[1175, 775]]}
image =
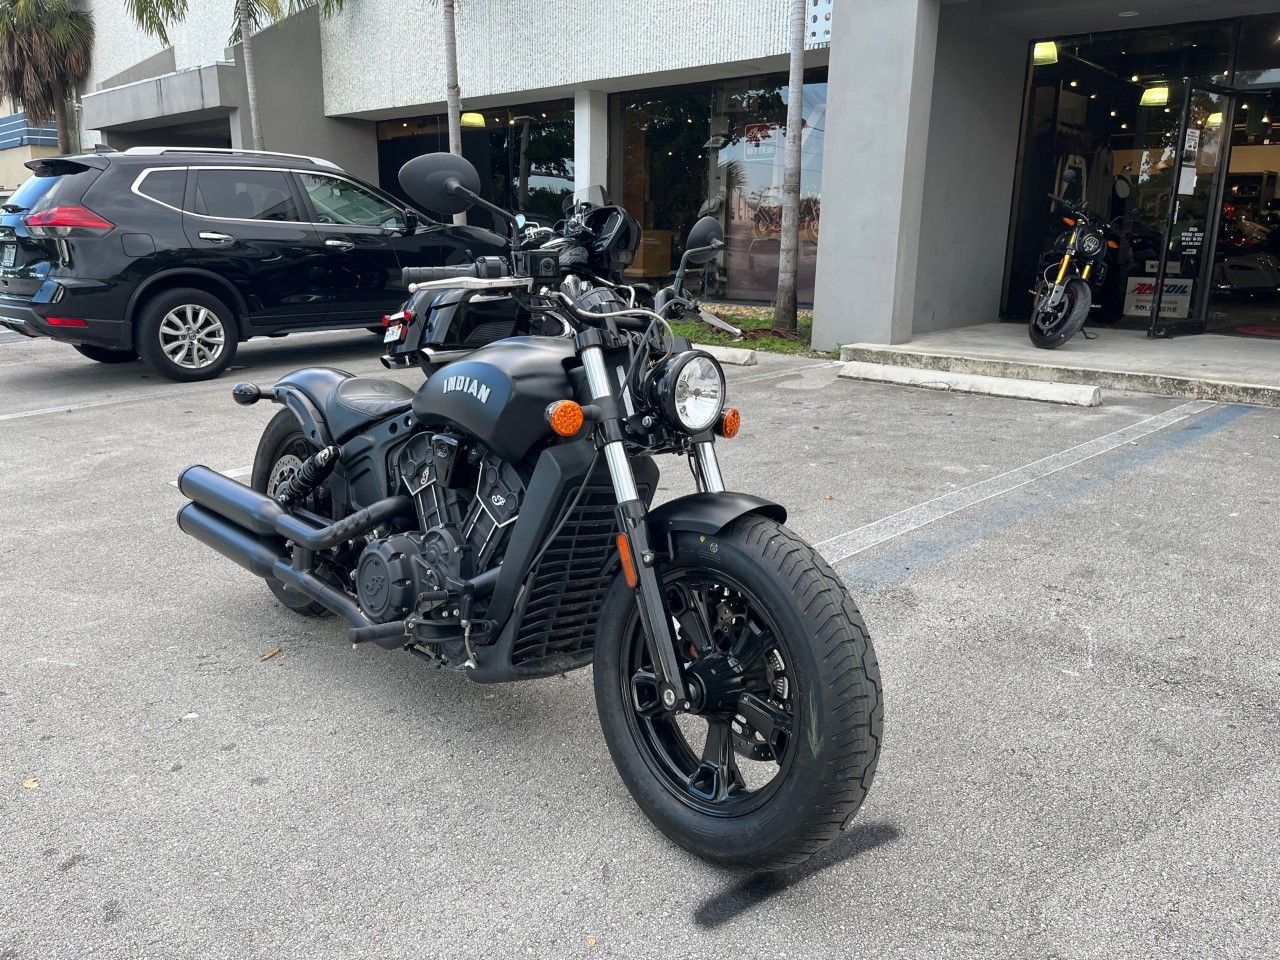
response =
{"points": [[453, 93], [784, 309], [64, 125], [250, 81]]}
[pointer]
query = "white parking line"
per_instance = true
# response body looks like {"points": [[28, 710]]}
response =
{"points": [[87, 405], [845, 545]]}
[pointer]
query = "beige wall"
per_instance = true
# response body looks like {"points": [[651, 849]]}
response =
{"points": [[12, 171]]}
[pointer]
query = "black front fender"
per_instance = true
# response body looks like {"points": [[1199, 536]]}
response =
{"points": [[709, 512]]}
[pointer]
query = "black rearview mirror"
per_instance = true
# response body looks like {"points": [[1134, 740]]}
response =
{"points": [[441, 182], [705, 240]]}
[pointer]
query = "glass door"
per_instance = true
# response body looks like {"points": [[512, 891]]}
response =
{"points": [[1197, 162]]}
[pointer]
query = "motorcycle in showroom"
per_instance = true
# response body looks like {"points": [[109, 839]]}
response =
{"points": [[500, 522], [1079, 269]]}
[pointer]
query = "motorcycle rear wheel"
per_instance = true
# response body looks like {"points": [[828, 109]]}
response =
{"points": [[1064, 323], [775, 758], [281, 451]]}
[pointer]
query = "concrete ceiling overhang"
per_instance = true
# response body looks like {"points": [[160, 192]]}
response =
{"points": [[1039, 19]]}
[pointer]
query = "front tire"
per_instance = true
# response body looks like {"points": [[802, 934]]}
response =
{"points": [[186, 335], [1050, 329], [774, 761]]}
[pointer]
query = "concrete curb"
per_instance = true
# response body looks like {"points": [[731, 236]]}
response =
{"points": [[1195, 388], [1068, 393], [735, 356]]}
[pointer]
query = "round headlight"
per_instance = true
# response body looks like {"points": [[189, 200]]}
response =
{"points": [[690, 389]]}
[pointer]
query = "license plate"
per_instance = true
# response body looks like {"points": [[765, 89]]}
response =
{"points": [[393, 333], [8, 254]]}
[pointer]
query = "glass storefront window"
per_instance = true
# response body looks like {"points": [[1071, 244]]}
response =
{"points": [[524, 154], [1105, 108], [718, 148], [1258, 58]]}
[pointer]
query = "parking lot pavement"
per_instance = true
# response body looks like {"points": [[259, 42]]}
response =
{"points": [[1075, 616]]}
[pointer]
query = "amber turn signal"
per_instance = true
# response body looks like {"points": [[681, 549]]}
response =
{"points": [[1069, 221], [730, 423], [566, 418], [1113, 244], [628, 561]]}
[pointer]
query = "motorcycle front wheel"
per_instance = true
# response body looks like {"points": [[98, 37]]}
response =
{"points": [[780, 744], [1052, 328]]}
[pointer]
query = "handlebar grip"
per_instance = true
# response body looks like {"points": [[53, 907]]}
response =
{"points": [[486, 268]]}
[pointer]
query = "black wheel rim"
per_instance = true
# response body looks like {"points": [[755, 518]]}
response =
{"points": [[732, 753], [1051, 322]]}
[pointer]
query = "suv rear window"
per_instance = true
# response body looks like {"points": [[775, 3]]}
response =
{"points": [[244, 195], [164, 186], [49, 189]]}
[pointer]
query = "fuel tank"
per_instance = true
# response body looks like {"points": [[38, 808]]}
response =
{"points": [[499, 393]]}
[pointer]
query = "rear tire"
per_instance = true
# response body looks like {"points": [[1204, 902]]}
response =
{"points": [[105, 354], [282, 443], [187, 335], [814, 670], [1066, 321]]}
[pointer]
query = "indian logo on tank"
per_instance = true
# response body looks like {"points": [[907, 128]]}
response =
{"points": [[466, 385]]}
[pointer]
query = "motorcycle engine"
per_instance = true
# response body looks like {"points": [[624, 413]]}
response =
{"points": [[467, 500]]}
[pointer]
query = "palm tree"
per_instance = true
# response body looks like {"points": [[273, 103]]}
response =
{"points": [[784, 308], [452, 92], [45, 51], [155, 17]]}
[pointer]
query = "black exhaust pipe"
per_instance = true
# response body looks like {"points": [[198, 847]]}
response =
{"points": [[243, 506], [256, 554], [266, 558], [254, 511]]}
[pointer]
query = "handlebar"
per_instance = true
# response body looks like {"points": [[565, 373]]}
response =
{"points": [[1064, 201], [486, 268]]}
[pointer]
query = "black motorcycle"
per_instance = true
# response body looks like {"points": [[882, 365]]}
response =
{"points": [[1079, 268], [499, 521]]}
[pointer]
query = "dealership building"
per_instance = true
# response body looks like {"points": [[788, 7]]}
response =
{"points": [[933, 131]]}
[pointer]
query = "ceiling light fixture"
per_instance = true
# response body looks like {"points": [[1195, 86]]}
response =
{"points": [[1075, 83], [1129, 13], [1156, 96], [1044, 53]]}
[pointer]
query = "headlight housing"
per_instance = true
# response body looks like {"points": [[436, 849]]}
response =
{"points": [[689, 389]]}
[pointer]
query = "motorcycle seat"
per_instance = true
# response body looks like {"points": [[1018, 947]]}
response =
{"points": [[359, 401], [346, 403]]}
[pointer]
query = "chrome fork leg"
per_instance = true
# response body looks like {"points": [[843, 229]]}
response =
{"points": [[708, 466], [632, 517]]}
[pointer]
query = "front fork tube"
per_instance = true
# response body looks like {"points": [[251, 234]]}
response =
{"points": [[632, 516]]}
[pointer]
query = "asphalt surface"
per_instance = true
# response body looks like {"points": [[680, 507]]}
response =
{"points": [[1077, 637]]}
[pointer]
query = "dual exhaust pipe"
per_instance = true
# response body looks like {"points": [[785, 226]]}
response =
{"points": [[254, 531]]}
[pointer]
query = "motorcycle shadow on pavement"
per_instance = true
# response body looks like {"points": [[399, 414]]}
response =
{"points": [[754, 890]]}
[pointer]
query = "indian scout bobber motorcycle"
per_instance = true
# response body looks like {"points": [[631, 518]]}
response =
{"points": [[499, 521]]}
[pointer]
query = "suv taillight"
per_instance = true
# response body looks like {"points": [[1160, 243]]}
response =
{"points": [[67, 221]]}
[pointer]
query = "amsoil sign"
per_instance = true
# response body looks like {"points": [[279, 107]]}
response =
{"points": [[1141, 294]]}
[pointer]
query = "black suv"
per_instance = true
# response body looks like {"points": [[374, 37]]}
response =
{"points": [[175, 255]]}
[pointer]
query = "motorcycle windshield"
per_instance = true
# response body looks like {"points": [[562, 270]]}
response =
{"points": [[594, 195]]}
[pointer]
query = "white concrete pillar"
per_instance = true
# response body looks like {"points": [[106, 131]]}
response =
{"points": [[879, 90], [590, 138]]}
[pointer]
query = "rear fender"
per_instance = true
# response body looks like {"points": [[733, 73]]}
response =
{"points": [[303, 393]]}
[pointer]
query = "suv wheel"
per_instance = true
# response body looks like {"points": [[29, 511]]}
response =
{"points": [[105, 354], [187, 335]]}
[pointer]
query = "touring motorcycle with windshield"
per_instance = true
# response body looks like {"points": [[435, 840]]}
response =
{"points": [[501, 521]]}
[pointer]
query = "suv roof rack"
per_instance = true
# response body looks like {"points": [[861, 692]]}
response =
{"points": [[160, 151]]}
